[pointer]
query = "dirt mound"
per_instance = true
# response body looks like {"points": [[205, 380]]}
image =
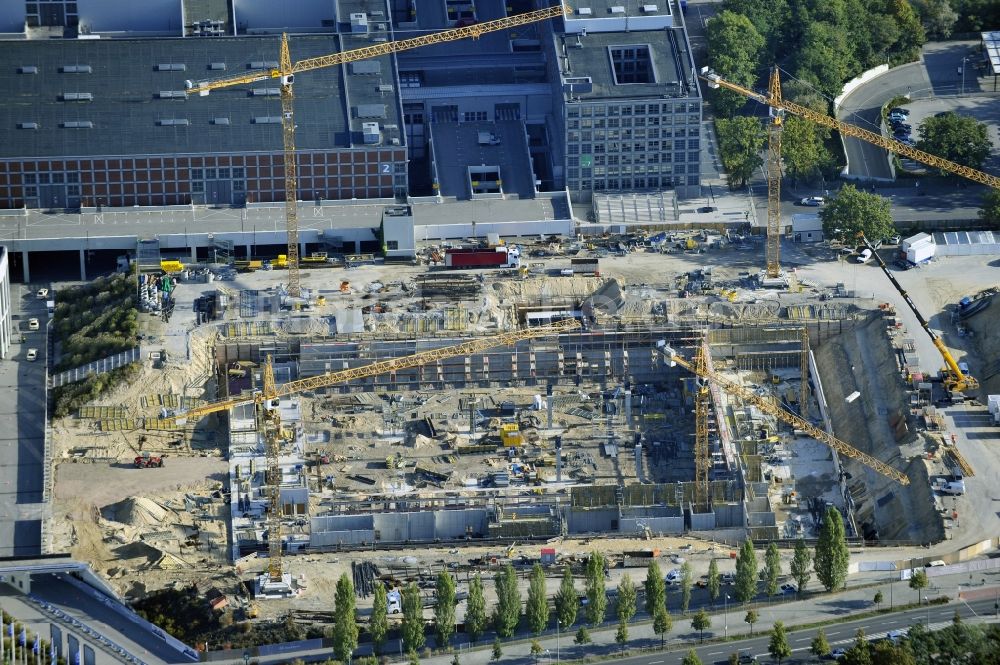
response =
{"points": [[138, 512]]}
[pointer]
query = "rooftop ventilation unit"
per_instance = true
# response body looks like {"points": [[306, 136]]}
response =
{"points": [[217, 66], [77, 124], [359, 22], [265, 92], [173, 122], [75, 69], [366, 67], [617, 9], [650, 9], [385, 87], [220, 121], [27, 125], [267, 120], [171, 94], [27, 69], [171, 67], [77, 97], [263, 64], [369, 111], [584, 11], [370, 132]]}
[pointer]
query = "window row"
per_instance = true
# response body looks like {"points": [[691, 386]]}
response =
{"points": [[600, 110]]}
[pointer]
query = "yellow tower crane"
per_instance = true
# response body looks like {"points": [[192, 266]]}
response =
{"points": [[285, 73], [779, 105], [702, 402], [267, 399], [769, 406]]}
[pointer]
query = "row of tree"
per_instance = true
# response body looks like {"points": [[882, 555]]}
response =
{"points": [[829, 563]]}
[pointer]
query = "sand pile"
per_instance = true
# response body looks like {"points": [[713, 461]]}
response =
{"points": [[136, 512]]}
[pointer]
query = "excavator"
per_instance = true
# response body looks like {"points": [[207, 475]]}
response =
{"points": [[955, 380]]}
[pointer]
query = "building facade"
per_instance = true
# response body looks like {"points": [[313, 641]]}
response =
{"points": [[6, 322]]}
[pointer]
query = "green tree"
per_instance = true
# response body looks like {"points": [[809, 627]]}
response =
{"points": [[884, 652], [960, 138], [497, 649], [832, 556], [741, 140], [412, 657], [826, 58], [803, 150], [582, 636], [860, 651], [799, 567], [567, 601], [345, 625], [686, 582], [937, 17], [851, 212], [751, 618], [918, 582], [536, 649], [819, 646], [700, 622], [691, 658], [778, 647], [413, 618], [444, 608], [772, 568], [989, 213], [656, 589], [537, 608], [714, 581], [378, 626], [746, 573], [621, 635], [626, 603], [508, 608], [475, 609], [597, 597], [734, 50], [662, 623], [878, 599]]}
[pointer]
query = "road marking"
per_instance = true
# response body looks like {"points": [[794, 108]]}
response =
{"points": [[715, 653], [656, 662]]}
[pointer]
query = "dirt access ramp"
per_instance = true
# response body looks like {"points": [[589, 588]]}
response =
{"points": [[862, 359]]}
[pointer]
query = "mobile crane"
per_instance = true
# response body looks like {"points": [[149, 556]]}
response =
{"points": [[285, 73], [267, 400], [769, 406], [955, 380]]}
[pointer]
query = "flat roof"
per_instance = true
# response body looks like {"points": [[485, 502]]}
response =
{"points": [[618, 8], [991, 44], [667, 51], [131, 94], [457, 147]]}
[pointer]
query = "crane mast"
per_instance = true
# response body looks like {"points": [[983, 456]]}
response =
{"points": [[702, 402], [286, 72], [773, 252], [769, 406]]}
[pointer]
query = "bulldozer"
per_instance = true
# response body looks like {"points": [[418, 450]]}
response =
{"points": [[147, 461]]}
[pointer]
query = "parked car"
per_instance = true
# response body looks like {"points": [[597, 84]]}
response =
{"points": [[32, 355], [896, 126], [33, 324], [902, 264], [789, 588], [865, 256], [746, 658], [956, 488], [673, 576], [900, 111], [812, 201], [838, 653], [43, 294]]}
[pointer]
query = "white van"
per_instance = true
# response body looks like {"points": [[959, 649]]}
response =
{"points": [[865, 256], [956, 488]]}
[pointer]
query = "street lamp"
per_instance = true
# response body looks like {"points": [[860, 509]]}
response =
{"points": [[726, 614], [558, 626], [246, 658], [928, 603]]}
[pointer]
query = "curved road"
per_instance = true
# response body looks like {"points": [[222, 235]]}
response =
{"points": [[866, 161]]}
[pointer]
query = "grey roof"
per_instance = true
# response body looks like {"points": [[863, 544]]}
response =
{"points": [[668, 50], [621, 8], [135, 86]]}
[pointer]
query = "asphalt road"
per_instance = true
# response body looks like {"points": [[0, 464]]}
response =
{"points": [[839, 635], [22, 433]]}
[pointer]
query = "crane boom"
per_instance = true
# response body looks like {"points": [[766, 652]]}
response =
{"points": [[769, 406], [374, 51], [382, 367], [714, 80], [955, 378]]}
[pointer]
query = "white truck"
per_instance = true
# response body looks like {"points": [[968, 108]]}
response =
{"points": [[394, 602], [488, 138]]}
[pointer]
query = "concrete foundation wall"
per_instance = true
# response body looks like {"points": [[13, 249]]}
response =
{"points": [[702, 521], [654, 524], [730, 515], [592, 521]]}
